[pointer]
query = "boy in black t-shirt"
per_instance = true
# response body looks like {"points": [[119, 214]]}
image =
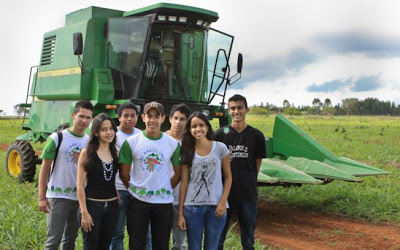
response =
{"points": [[247, 148]]}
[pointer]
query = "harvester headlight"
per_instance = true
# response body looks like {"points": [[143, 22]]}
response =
{"points": [[182, 19], [172, 18], [139, 108], [205, 24], [206, 112], [162, 18], [111, 107], [199, 22]]}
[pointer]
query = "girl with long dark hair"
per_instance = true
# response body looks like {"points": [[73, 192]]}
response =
{"points": [[203, 195], [97, 195]]}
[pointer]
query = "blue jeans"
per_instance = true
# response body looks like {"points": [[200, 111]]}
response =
{"points": [[199, 218], [104, 214], [246, 213], [62, 224]]}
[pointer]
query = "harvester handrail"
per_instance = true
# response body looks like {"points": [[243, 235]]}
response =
{"points": [[224, 77], [27, 91]]}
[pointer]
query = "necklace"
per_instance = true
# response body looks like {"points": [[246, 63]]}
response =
{"points": [[107, 170]]}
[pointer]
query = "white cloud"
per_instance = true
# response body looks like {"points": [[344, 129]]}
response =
{"points": [[293, 88]]}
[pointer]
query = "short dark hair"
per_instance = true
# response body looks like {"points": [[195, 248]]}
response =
{"points": [[127, 105], [181, 107], [85, 104], [238, 98]]}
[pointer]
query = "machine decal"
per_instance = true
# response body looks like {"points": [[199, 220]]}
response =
{"points": [[60, 72]]}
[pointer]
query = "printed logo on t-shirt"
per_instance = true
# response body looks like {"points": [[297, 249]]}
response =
{"points": [[203, 181], [72, 153], [61, 191], [151, 160], [238, 151], [161, 193]]}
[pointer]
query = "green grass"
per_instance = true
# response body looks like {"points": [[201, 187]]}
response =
{"points": [[10, 129], [22, 225]]}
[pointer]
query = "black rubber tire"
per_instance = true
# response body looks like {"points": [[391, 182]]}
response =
{"points": [[24, 167]]}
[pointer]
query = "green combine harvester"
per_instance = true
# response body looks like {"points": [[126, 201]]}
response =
{"points": [[163, 52]]}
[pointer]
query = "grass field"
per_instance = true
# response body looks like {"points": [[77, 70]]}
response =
{"points": [[22, 225]]}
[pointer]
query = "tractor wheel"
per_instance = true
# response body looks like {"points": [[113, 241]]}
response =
{"points": [[20, 161]]}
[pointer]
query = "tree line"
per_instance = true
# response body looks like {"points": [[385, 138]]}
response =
{"points": [[349, 106]]}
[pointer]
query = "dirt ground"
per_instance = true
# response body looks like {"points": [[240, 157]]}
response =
{"points": [[3, 147], [286, 228]]}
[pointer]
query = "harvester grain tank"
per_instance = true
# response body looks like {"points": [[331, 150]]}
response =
{"points": [[163, 52]]}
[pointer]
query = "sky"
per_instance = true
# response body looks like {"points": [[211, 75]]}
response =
{"points": [[294, 50]]}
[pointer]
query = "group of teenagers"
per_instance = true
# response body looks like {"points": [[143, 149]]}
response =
{"points": [[187, 180]]}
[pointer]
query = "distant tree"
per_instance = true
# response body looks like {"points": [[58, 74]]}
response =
{"points": [[316, 102], [328, 110], [393, 109], [312, 110], [286, 104], [327, 102], [271, 107], [317, 105], [259, 111], [21, 111], [349, 105], [338, 110], [304, 108], [291, 111]]}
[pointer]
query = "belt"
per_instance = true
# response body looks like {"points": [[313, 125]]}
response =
{"points": [[103, 204]]}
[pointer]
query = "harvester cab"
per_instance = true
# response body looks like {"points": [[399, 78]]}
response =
{"points": [[166, 53], [163, 52]]}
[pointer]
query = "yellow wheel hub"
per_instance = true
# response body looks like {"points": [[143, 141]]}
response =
{"points": [[14, 163]]}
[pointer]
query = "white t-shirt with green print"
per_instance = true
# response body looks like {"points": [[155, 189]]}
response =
{"points": [[152, 159], [62, 183]]}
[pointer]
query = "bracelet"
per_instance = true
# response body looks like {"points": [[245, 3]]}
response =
{"points": [[42, 199]]}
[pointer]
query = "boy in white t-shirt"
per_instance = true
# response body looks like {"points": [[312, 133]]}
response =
{"points": [[150, 185], [57, 196], [178, 118], [128, 116]]}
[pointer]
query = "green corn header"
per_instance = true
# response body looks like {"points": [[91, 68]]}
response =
{"points": [[164, 52]]}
